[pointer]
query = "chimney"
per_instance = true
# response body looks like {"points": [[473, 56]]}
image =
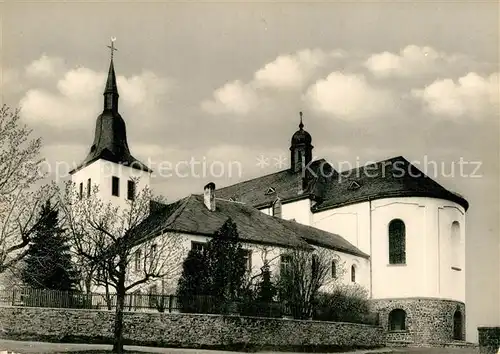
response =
{"points": [[209, 196], [300, 185]]}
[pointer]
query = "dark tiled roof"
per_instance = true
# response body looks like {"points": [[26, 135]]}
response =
{"points": [[395, 177], [110, 137], [189, 215], [110, 143], [288, 186]]}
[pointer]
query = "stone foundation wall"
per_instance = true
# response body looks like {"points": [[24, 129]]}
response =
{"points": [[428, 321], [186, 330], [489, 340]]}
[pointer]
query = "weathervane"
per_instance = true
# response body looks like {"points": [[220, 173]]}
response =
{"points": [[112, 46]]}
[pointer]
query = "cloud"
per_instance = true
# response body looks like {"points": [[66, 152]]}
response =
{"points": [[411, 61], [471, 95], [10, 80], [348, 96], [44, 67], [78, 97], [290, 72], [234, 97]]}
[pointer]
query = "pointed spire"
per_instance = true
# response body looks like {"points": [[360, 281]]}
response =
{"points": [[301, 125], [111, 90]]}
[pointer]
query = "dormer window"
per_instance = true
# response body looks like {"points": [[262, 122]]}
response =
{"points": [[277, 208], [270, 190], [353, 185]]}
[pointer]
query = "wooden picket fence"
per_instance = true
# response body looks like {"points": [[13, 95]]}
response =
{"points": [[30, 297]]}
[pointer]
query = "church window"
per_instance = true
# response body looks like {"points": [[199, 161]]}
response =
{"points": [[89, 187], [314, 265], [247, 256], [115, 186], [397, 320], [137, 260], [353, 273], [153, 296], [197, 246], [80, 195], [277, 208], [130, 190], [285, 264], [397, 242], [457, 325], [152, 254], [334, 269], [455, 245]]}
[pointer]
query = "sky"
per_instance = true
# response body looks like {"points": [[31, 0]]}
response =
{"points": [[210, 91]]}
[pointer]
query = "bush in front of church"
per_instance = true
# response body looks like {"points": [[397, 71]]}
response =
{"points": [[347, 303]]}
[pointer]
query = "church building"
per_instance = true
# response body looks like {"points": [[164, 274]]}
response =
{"points": [[398, 233]]}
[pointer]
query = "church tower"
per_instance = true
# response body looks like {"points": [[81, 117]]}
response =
{"points": [[300, 149], [109, 163]]}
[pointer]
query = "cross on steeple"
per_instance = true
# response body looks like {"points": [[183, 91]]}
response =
{"points": [[111, 90], [112, 46]]}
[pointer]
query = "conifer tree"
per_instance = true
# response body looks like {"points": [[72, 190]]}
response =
{"points": [[192, 285], [48, 264], [225, 262], [217, 272]]}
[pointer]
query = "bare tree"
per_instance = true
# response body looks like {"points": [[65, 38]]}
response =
{"points": [[116, 246], [20, 200], [303, 274]]}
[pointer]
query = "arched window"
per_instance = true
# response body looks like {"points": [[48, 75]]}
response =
{"points": [[397, 320], [397, 242], [455, 245], [353, 273], [457, 325], [334, 269], [314, 265], [277, 208]]}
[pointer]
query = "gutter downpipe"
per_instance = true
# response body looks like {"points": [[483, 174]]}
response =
{"points": [[371, 253]]}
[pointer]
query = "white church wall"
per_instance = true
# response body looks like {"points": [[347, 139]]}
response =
{"points": [[352, 222], [361, 269], [124, 173], [451, 243], [427, 271], [259, 255], [92, 171], [299, 210], [267, 211], [101, 172], [399, 280]]}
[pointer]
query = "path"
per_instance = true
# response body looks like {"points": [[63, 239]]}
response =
{"points": [[45, 348]]}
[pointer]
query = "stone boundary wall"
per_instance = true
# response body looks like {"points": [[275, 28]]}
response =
{"points": [[187, 330], [429, 322], [489, 340]]}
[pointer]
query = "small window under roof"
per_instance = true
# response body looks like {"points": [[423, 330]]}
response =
{"points": [[353, 185], [270, 190]]}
